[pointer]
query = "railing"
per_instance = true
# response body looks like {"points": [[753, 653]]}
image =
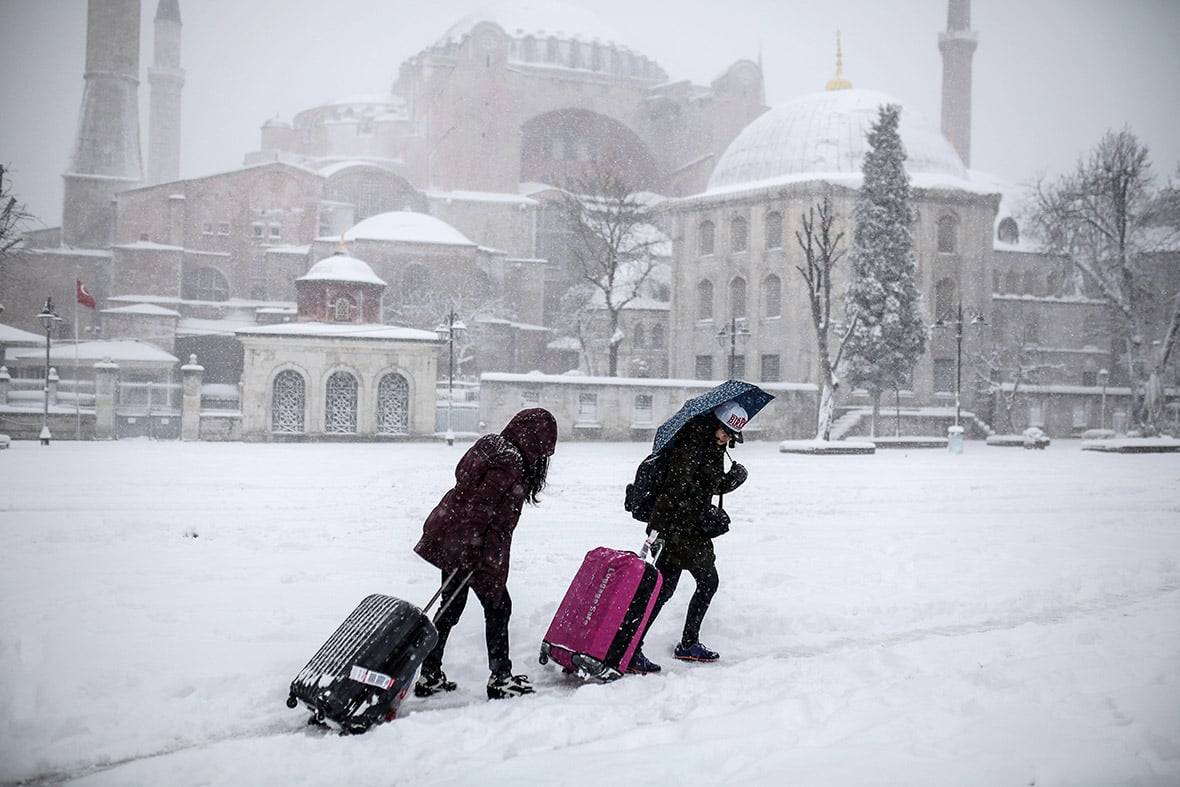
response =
{"points": [[148, 398]]}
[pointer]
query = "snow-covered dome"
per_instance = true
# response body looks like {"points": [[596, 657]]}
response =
{"points": [[824, 136], [342, 267], [556, 34], [406, 226]]}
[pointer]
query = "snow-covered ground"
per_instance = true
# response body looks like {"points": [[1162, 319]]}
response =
{"points": [[999, 617]]}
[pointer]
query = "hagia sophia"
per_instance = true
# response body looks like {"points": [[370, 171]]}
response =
{"points": [[307, 284]]}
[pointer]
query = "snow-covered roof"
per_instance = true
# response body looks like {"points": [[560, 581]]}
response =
{"points": [[148, 309], [540, 18], [342, 330], [119, 350], [342, 267], [824, 135], [480, 196], [406, 226], [10, 336]]}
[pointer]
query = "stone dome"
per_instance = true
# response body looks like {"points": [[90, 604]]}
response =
{"points": [[824, 136], [407, 226], [343, 268], [550, 33]]}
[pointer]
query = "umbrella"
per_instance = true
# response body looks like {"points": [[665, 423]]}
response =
{"points": [[749, 396]]}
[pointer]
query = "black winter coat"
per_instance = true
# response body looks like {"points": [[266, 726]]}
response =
{"points": [[696, 472]]}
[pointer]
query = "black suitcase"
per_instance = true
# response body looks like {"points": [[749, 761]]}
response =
{"points": [[360, 676]]}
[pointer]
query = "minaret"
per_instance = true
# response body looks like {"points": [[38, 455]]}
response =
{"points": [[106, 156], [165, 80], [957, 45], [106, 153]]}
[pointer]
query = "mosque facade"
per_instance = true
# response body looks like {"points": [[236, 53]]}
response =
{"points": [[458, 209]]}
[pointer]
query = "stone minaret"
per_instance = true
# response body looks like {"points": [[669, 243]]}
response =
{"points": [[106, 156], [165, 79], [957, 45]]}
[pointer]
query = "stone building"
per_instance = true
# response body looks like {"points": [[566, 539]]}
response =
{"points": [[336, 371]]}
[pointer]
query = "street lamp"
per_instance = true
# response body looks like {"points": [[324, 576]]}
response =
{"points": [[450, 333], [48, 319], [976, 320], [731, 335], [1103, 378]]}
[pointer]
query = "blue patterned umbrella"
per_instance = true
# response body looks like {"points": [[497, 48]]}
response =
{"points": [[749, 396]]}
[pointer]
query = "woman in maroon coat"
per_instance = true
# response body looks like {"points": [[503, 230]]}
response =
{"points": [[471, 530]]}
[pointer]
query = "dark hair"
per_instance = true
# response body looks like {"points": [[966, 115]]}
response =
{"points": [[535, 475]]}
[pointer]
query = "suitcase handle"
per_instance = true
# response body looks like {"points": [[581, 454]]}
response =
{"points": [[652, 545], [442, 588]]}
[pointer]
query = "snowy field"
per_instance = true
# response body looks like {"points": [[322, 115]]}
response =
{"points": [[1000, 617]]}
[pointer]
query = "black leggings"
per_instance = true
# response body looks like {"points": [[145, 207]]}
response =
{"points": [[496, 614], [707, 584]]}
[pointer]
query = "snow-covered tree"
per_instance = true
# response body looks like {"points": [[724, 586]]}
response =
{"points": [[821, 252], [615, 244], [1110, 221], [882, 301]]}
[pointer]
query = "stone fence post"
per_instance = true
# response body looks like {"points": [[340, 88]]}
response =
{"points": [[190, 409], [106, 374]]}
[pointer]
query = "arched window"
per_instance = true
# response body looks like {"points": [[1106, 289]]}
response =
{"points": [[1012, 282], [340, 404], [657, 337], [638, 336], [772, 296], [1008, 231], [1031, 333], [705, 239], [393, 405], [415, 285], [343, 310], [737, 298], [1030, 283], [774, 230], [948, 235], [704, 300], [287, 402], [211, 285], [944, 299], [739, 235]]}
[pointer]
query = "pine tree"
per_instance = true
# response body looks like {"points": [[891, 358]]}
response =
{"points": [[890, 329]]}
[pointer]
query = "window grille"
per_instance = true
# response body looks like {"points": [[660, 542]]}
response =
{"points": [[340, 404], [287, 403], [393, 405]]}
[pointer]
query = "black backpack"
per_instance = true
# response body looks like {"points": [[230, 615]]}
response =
{"points": [[641, 494]]}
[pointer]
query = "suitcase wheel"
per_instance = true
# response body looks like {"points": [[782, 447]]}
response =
{"points": [[292, 702], [544, 658]]}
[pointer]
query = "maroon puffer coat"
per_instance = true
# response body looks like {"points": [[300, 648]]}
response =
{"points": [[472, 525]]}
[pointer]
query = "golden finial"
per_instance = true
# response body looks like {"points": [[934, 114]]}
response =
{"points": [[341, 249], [838, 82]]}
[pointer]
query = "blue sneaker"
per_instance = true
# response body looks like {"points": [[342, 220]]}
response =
{"points": [[695, 652], [640, 665]]}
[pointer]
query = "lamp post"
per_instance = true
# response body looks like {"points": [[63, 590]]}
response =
{"points": [[731, 335], [48, 319], [450, 333], [1103, 378], [977, 320]]}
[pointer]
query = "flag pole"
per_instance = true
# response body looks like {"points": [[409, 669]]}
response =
{"points": [[77, 410]]}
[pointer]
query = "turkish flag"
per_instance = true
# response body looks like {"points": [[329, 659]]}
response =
{"points": [[84, 297]]}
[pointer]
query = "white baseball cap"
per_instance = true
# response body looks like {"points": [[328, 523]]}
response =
{"points": [[733, 417]]}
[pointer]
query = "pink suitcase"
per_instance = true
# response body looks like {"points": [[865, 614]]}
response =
{"points": [[604, 613]]}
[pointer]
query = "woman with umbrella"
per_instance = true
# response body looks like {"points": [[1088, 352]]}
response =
{"points": [[684, 514]]}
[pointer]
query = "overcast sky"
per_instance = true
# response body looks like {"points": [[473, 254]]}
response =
{"points": [[1051, 76]]}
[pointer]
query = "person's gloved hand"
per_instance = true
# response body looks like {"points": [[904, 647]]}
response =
{"points": [[734, 478]]}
